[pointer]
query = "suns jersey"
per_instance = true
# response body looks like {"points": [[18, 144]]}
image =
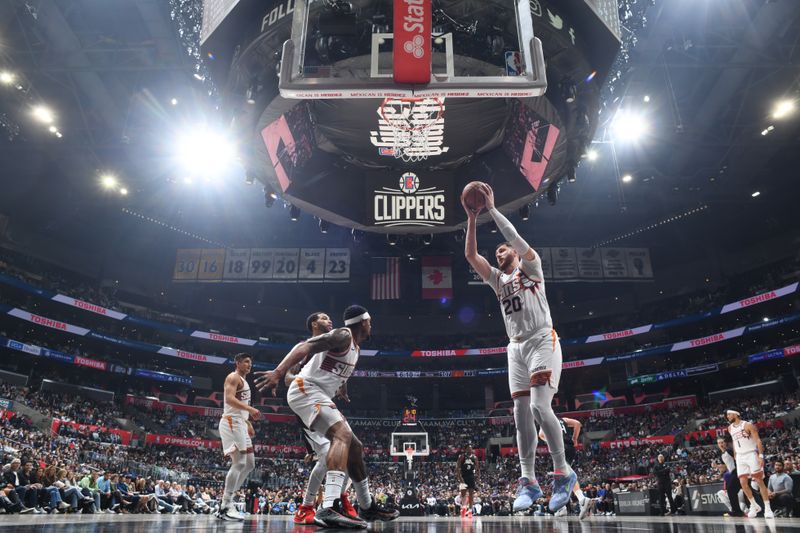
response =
{"points": [[330, 370], [523, 302], [243, 395], [743, 442]]}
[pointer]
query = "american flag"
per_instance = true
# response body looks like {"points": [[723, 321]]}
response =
{"points": [[385, 278]]}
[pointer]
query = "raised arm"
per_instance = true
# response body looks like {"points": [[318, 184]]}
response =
{"points": [[478, 262], [519, 244], [337, 340]]}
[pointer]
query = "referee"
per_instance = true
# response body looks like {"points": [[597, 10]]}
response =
{"points": [[731, 477]]}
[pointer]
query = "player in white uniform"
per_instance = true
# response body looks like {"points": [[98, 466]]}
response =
{"points": [[333, 357], [236, 432], [749, 454], [317, 323], [534, 352]]}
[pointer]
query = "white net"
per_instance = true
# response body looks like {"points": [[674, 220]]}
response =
{"points": [[417, 125]]}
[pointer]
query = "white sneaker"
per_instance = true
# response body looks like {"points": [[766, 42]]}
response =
{"points": [[753, 511], [233, 514], [561, 512], [585, 503], [768, 513], [63, 505]]}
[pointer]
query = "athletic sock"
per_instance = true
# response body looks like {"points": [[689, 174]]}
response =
{"points": [[362, 493], [333, 487], [579, 494]]}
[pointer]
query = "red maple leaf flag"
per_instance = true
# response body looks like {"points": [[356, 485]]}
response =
{"points": [[437, 277]]}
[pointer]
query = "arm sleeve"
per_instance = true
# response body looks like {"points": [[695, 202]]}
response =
{"points": [[508, 231], [533, 268]]}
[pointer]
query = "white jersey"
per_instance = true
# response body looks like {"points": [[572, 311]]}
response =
{"points": [[330, 370], [243, 395], [742, 440], [523, 302]]}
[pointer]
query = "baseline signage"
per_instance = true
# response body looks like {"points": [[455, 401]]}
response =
{"points": [[632, 503], [706, 500]]}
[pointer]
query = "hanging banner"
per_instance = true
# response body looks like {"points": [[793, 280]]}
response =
{"points": [[565, 263], [590, 266], [615, 265], [86, 306], [48, 322], [437, 277]]}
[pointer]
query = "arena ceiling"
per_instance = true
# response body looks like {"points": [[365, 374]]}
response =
{"points": [[712, 70]]}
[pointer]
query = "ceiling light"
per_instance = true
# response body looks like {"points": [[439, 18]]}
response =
{"points": [[525, 212], [108, 181], [58, 134], [206, 153], [629, 126], [627, 178], [756, 194], [174, 101], [52, 129], [323, 226], [43, 114], [123, 191], [294, 213], [391, 238], [591, 154], [646, 98], [7, 78], [783, 108]]}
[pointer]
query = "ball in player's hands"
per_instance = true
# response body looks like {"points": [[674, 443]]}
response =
{"points": [[473, 196]]}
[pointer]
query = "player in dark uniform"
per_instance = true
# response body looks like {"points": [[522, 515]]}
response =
{"points": [[571, 429], [468, 473]]}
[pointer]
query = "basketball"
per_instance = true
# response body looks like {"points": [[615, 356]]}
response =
{"points": [[473, 197]]}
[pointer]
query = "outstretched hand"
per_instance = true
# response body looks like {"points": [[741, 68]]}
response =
{"points": [[268, 380], [471, 213], [488, 195]]}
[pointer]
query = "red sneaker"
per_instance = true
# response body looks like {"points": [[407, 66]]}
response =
{"points": [[468, 514], [463, 512], [304, 515], [348, 508]]}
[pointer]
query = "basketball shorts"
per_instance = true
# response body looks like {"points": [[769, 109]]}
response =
{"points": [[233, 432], [314, 407], [316, 443], [569, 452], [748, 463], [469, 481], [533, 362]]}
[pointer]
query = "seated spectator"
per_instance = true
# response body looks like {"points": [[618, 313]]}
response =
{"points": [[780, 487]]}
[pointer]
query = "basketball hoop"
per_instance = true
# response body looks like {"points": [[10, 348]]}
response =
{"points": [[412, 122], [410, 456]]}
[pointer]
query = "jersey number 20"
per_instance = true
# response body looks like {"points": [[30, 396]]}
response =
{"points": [[512, 305]]}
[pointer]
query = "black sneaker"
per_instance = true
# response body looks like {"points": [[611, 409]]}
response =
{"points": [[378, 511], [334, 517]]}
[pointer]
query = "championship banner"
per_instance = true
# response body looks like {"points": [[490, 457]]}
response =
{"points": [[86, 306], [124, 436], [47, 322], [437, 277]]}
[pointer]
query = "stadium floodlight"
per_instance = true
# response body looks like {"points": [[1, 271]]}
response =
{"points": [[7, 78], [108, 181], [627, 178], [206, 153], [123, 191], [629, 126], [43, 114], [591, 154], [783, 108]]}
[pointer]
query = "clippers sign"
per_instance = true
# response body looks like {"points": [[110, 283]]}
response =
{"points": [[414, 202], [411, 50]]}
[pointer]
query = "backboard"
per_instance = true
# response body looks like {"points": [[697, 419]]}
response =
{"points": [[444, 48], [401, 441]]}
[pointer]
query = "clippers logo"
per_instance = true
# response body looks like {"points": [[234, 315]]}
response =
{"points": [[409, 205], [414, 47]]}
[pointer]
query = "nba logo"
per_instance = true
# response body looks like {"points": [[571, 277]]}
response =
{"points": [[409, 183], [513, 64]]}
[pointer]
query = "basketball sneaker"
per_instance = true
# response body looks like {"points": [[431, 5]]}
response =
{"points": [[335, 517], [378, 511], [527, 493], [304, 515], [586, 504], [754, 510], [562, 489], [349, 510], [768, 513]]}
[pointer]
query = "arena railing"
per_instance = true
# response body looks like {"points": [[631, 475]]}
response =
{"points": [[245, 342]]}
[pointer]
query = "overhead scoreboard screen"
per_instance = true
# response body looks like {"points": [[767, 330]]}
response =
{"points": [[262, 265]]}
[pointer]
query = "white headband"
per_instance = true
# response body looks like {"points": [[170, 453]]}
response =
{"points": [[729, 411], [357, 319]]}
